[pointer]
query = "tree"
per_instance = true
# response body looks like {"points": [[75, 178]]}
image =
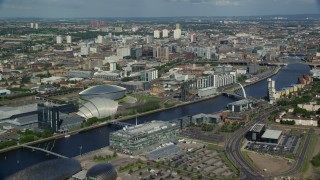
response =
{"points": [[115, 154]]}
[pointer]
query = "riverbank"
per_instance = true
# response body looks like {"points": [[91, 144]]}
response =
{"points": [[274, 72], [59, 136]]}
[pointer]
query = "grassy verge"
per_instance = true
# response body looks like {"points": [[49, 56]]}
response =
{"points": [[247, 158], [309, 153], [133, 166], [229, 163], [214, 147], [145, 98], [125, 99]]}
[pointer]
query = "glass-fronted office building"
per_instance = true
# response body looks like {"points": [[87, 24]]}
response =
{"points": [[134, 139]]}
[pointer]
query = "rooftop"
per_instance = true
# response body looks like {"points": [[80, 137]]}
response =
{"points": [[145, 128], [257, 128], [272, 134], [8, 111], [243, 101], [101, 89], [205, 115]]}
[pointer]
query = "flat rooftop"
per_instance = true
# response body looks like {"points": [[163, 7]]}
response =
{"points": [[145, 128], [257, 128], [201, 115], [271, 134], [8, 111], [241, 102]]}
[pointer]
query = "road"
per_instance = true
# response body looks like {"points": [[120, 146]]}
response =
{"points": [[301, 157], [233, 149]]}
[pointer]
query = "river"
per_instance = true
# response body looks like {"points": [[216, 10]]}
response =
{"points": [[87, 141]]}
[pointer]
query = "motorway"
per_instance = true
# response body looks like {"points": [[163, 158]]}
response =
{"points": [[233, 150]]}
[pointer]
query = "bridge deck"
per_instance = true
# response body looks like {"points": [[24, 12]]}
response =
{"points": [[44, 150]]}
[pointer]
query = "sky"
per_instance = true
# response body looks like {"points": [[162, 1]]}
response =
{"points": [[154, 8]]}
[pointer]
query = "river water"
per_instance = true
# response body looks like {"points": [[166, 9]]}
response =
{"points": [[87, 141]]}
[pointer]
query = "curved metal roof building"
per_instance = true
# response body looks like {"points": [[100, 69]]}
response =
{"points": [[102, 172], [98, 107], [104, 91], [49, 170]]}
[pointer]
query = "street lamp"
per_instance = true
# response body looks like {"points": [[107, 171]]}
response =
{"points": [[80, 148]]}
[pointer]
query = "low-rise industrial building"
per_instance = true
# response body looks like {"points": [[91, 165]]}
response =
{"points": [[240, 106], [302, 121], [271, 136], [138, 138], [80, 74], [207, 91], [205, 118], [4, 92]]}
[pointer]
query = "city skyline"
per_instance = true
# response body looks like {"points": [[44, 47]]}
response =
{"points": [[154, 8]]}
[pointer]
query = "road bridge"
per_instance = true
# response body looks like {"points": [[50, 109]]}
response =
{"points": [[43, 150]]}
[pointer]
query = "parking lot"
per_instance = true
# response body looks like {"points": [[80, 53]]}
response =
{"points": [[190, 160], [288, 144]]}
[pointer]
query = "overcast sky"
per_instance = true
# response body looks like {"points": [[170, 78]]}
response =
{"points": [[154, 8]]}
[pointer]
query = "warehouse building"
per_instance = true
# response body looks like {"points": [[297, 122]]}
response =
{"points": [[4, 92], [139, 138], [80, 74], [271, 136], [241, 105]]}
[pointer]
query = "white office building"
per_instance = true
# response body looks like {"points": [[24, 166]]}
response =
{"points": [[149, 75], [100, 39], [59, 39], [177, 34], [165, 33], [69, 39], [36, 26], [113, 66], [223, 80], [31, 25], [156, 34], [85, 50], [123, 52], [208, 52]]}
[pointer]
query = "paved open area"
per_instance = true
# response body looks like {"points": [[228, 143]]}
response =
{"points": [[186, 160], [269, 165], [288, 144]]}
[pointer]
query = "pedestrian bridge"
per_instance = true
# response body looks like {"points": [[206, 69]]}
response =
{"points": [[43, 150]]}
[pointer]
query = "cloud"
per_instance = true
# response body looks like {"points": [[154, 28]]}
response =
{"points": [[214, 2], [238, 2], [152, 8]]}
